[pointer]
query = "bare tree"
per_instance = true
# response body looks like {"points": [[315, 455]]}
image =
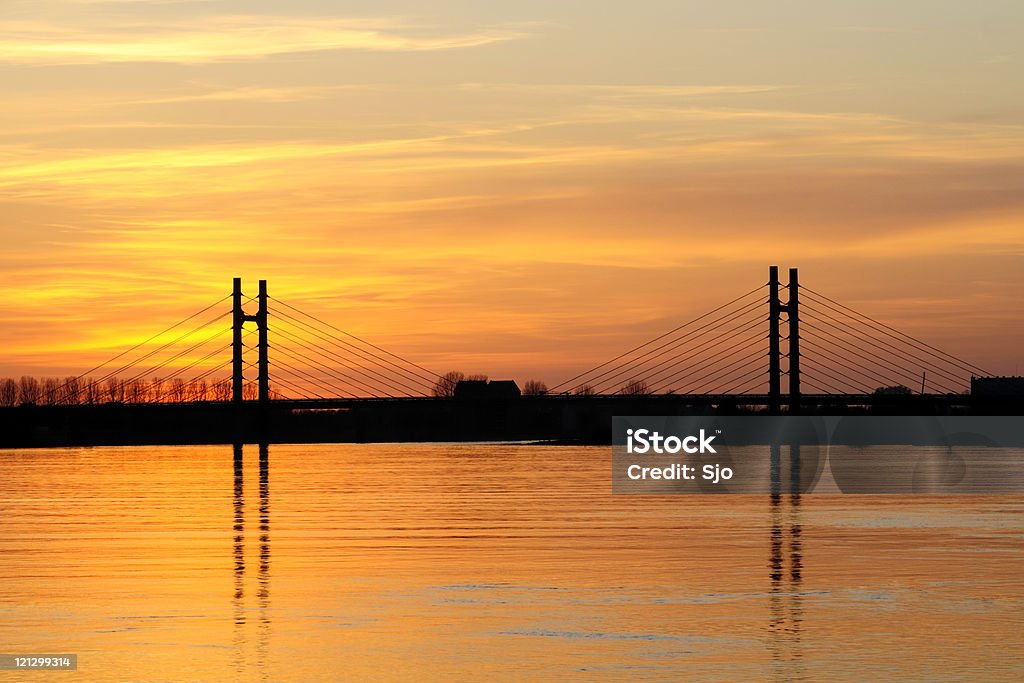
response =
{"points": [[115, 390], [51, 391], [28, 390], [72, 391], [250, 392], [222, 390], [197, 390], [445, 385], [92, 392], [156, 390], [534, 387], [585, 390], [176, 394], [477, 378], [135, 391], [636, 387], [8, 392], [895, 390]]}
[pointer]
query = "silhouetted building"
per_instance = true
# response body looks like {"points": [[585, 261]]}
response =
{"points": [[997, 386], [480, 389], [470, 388], [503, 388]]}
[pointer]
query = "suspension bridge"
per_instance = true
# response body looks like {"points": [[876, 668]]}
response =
{"points": [[779, 347]]}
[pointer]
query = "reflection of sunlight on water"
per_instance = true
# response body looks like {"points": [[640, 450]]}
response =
{"points": [[938, 470], [469, 562]]}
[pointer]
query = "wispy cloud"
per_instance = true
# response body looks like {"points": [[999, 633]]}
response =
{"points": [[264, 94], [226, 38], [876, 29], [135, 2], [627, 90]]}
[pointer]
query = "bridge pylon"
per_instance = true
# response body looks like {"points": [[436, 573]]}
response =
{"points": [[238, 363], [775, 310], [793, 309]]}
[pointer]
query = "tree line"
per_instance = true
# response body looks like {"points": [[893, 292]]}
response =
{"points": [[76, 391], [73, 391]]}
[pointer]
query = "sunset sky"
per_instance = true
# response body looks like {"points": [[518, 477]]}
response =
{"points": [[522, 189]]}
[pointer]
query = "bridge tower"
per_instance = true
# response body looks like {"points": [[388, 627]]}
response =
{"points": [[774, 353], [775, 310], [237, 361], [793, 308]]}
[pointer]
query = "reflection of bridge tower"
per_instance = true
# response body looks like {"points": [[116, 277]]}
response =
{"points": [[237, 358], [785, 598], [775, 310], [263, 570], [263, 566]]}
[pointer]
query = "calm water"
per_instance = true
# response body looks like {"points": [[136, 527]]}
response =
{"points": [[470, 562]]}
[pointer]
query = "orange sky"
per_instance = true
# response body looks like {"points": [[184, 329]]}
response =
{"points": [[514, 188]]}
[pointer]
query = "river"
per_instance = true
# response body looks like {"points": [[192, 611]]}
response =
{"points": [[487, 562]]}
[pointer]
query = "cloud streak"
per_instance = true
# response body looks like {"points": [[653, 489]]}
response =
{"points": [[226, 38]]}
